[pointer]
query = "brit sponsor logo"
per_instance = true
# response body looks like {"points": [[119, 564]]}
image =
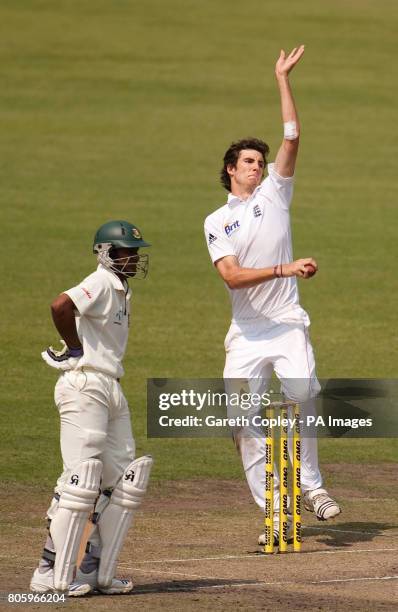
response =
{"points": [[212, 239], [231, 227], [86, 291]]}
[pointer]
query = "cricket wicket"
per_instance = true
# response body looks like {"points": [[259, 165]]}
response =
{"points": [[283, 407]]}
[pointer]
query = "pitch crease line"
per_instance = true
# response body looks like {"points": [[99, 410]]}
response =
{"points": [[226, 583], [138, 569], [374, 532], [355, 579], [259, 556]]}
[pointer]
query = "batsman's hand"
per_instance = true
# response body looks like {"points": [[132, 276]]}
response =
{"points": [[303, 268], [65, 359]]}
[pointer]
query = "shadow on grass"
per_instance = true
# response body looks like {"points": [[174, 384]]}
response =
{"points": [[187, 585], [346, 534]]}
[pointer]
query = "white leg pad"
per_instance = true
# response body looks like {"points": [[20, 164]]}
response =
{"points": [[75, 504], [117, 516]]}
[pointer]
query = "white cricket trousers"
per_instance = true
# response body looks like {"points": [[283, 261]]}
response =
{"points": [[254, 350], [95, 424]]}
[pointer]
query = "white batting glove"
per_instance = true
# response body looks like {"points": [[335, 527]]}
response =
{"points": [[66, 359]]}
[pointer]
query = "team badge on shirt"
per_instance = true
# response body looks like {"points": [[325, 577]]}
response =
{"points": [[118, 317], [212, 239], [231, 227], [256, 211]]}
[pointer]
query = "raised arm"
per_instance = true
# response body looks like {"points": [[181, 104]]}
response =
{"points": [[286, 158]]}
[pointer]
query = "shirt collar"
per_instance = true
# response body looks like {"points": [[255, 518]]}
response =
{"points": [[116, 282], [234, 199]]}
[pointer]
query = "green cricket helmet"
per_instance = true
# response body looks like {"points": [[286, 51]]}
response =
{"points": [[121, 234]]}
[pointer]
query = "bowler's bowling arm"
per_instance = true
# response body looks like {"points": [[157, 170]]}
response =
{"points": [[237, 277]]}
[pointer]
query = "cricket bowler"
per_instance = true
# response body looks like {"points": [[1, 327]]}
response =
{"points": [[249, 241]]}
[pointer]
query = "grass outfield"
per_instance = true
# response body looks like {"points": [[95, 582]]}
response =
{"points": [[122, 109]]}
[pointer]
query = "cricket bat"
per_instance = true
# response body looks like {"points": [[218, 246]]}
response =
{"points": [[83, 543]]}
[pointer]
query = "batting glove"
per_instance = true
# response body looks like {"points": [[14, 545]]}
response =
{"points": [[66, 359]]}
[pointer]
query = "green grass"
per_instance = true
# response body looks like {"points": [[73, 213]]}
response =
{"points": [[124, 109]]}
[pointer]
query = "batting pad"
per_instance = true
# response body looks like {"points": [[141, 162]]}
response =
{"points": [[117, 516], [75, 504]]}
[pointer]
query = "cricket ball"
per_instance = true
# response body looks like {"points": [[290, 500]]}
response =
{"points": [[310, 270]]}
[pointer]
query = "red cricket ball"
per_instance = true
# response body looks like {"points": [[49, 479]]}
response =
{"points": [[310, 270]]}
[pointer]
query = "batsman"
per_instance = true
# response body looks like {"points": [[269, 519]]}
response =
{"points": [[101, 479]]}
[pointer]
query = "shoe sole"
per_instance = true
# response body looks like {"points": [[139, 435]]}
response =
{"points": [[83, 590], [114, 592], [37, 588], [45, 589]]}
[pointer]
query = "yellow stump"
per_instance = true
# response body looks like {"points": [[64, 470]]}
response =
{"points": [[269, 484], [283, 484], [296, 481]]}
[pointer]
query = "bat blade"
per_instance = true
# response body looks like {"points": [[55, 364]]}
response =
{"points": [[85, 537]]}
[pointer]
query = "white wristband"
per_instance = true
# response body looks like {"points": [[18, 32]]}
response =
{"points": [[290, 130]]}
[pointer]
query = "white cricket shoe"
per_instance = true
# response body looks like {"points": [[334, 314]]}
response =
{"points": [[261, 537], [320, 502], [44, 583], [117, 587]]}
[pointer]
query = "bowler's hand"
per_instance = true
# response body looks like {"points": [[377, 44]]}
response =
{"points": [[285, 63], [303, 268], [66, 359]]}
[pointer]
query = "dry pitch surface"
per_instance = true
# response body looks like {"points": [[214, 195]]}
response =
{"points": [[194, 548]]}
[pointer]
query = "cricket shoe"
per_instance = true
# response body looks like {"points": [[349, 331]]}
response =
{"points": [[44, 583], [261, 537], [320, 502], [117, 586]]}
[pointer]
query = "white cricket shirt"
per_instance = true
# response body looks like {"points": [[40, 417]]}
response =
{"points": [[257, 231], [102, 318]]}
